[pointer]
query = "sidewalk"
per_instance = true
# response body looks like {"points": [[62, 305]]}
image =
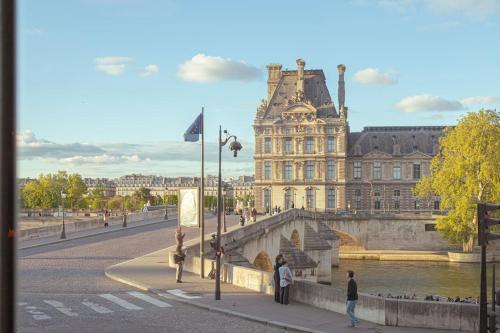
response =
{"points": [[151, 273]]}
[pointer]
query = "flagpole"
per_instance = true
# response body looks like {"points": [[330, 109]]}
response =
{"points": [[202, 201]]}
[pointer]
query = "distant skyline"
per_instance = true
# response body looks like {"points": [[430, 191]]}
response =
{"points": [[108, 87]]}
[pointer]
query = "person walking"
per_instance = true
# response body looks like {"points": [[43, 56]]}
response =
{"points": [[352, 297], [179, 257], [277, 286], [105, 217], [285, 281]]}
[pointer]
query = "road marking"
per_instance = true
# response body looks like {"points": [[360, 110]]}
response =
{"points": [[22, 303], [35, 313], [181, 293], [149, 299], [97, 308], [120, 302], [61, 308]]}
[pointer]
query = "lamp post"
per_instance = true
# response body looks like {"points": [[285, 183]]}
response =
{"points": [[63, 231], [235, 146], [124, 225], [224, 209], [165, 203]]}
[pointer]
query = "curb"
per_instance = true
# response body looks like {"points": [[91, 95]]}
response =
{"points": [[92, 235], [279, 324]]}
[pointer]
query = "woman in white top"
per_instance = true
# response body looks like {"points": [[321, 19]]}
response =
{"points": [[286, 280]]}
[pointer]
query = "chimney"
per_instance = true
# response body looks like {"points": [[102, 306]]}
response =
{"points": [[274, 76], [341, 92], [300, 75]]}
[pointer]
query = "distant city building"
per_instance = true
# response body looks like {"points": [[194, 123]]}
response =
{"points": [[306, 156], [107, 185]]}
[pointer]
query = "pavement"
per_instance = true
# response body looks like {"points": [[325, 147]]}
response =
{"points": [[151, 273], [62, 288]]}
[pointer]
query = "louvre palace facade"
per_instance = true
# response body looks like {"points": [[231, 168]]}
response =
{"points": [[306, 155]]}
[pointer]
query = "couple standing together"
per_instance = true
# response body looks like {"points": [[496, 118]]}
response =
{"points": [[282, 280]]}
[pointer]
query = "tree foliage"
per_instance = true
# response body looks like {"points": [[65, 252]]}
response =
{"points": [[464, 173]]}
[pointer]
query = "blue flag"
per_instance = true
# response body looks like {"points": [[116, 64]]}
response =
{"points": [[193, 132]]}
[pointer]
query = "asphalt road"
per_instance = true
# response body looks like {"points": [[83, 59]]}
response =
{"points": [[62, 288]]}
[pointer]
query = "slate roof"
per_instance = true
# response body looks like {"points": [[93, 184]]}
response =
{"points": [[295, 257], [313, 240], [410, 139], [315, 90]]}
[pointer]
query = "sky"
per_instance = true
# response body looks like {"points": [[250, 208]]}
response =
{"points": [[108, 87]]}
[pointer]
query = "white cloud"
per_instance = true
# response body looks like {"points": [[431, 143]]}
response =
{"points": [[426, 102], [112, 65], [102, 159], [477, 8], [203, 68], [150, 70], [374, 76], [481, 100]]}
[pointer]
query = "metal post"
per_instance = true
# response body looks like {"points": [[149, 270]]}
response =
{"points": [[124, 218], [492, 315], [8, 186], [218, 254], [202, 199], [63, 231], [166, 208], [483, 315]]}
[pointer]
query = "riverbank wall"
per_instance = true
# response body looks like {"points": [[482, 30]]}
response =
{"points": [[89, 224], [399, 255]]}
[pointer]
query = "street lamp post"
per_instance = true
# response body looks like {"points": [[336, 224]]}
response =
{"points": [[235, 146], [124, 225], [165, 203], [63, 231]]}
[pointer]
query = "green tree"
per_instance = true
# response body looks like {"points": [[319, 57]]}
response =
{"points": [[116, 202], [464, 173], [143, 195], [96, 197], [76, 191]]}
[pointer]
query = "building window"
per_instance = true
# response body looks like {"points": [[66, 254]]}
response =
{"points": [[331, 170], [309, 170], [357, 192], [396, 170], [397, 193], [331, 199], [330, 144], [267, 170], [416, 171], [416, 205], [358, 203], [329, 130], [430, 227], [267, 145], [436, 204], [288, 145], [288, 170], [309, 145], [377, 170], [310, 198], [288, 131], [267, 200], [288, 198], [376, 194], [396, 204], [267, 131], [357, 169]]}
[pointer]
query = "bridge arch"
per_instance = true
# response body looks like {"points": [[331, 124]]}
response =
{"points": [[346, 239], [263, 262], [295, 239]]}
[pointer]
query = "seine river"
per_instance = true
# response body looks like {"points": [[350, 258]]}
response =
{"points": [[421, 278]]}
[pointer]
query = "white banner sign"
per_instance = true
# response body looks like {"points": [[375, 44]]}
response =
{"points": [[189, 207]]}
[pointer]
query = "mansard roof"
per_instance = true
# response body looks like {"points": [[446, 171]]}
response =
{"points": [[383, 139], [315, 91]]}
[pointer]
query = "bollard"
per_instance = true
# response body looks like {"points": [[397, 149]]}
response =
{"points": [[124, 218]]}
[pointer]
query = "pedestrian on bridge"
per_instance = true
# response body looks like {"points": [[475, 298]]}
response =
{"points": [[352, 297]]}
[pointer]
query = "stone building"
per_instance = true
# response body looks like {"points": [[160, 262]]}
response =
{"points": [[306, 156]]}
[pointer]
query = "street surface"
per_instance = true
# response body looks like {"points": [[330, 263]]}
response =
{"points": [[62, 288]]}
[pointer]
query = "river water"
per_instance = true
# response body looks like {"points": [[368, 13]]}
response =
{"points": [[414, 277]]}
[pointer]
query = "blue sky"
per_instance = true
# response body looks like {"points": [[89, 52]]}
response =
{"points": [[107, 87]]}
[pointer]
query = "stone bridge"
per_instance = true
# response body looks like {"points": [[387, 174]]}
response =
{"points": [[311, 241]]}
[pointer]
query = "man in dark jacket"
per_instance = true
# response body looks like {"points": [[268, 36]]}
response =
{"points": [[352, 297], [279, 261]]}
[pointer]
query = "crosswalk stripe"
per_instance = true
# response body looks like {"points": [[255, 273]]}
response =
{"points": [[61, 308], [97, 308], [120, 302], [181, 293], [149, 299]]}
